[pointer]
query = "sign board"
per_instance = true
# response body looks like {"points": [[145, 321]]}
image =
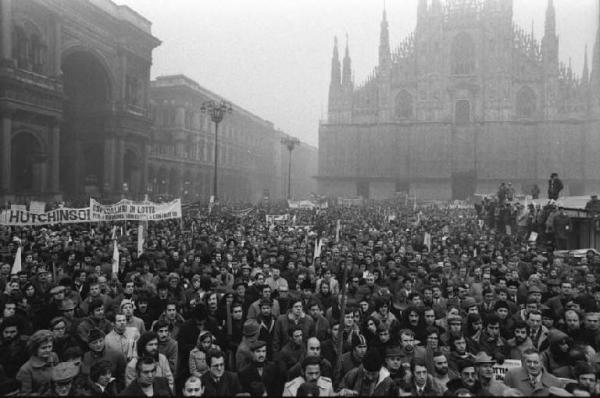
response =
{"points": [[301, 204], [18, 207], [271, 219], [500, 370], [37, 207]]}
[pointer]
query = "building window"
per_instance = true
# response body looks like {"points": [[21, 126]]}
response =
{"points": [[463, 55], [462, 112], [133, 90], [404, 105], [526, 102], [38, 54]]}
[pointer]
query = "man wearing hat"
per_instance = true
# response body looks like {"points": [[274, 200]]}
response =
{"points": [[370, 379], [393, 362], [250, 332], [351, 359], [98, 352], [62, 379], [489, 386], [261, 376]]}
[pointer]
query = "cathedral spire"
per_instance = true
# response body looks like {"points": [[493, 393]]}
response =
{"points": [[347, 71], [550, 40], [585, 75], [595, 74], [550, 30], [335, 65], [384, 42]]}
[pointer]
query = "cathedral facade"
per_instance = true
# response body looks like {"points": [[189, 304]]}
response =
{"points": [[467, 101]]}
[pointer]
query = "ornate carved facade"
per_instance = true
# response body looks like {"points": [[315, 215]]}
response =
{"points": [[74, 79], [466, 101]]}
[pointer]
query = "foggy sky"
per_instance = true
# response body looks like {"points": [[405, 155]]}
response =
{"points": [[273, 57]]}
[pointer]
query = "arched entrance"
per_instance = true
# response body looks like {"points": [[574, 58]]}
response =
{"points": [[132, 171], [28, 163], [87, 94]]}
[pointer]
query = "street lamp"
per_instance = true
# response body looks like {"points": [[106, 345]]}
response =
{"points": [[290, 143], [216, 111]]}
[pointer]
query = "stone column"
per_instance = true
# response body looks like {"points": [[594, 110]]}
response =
{"points": [[57, 45], [123, 80], [55, 159], [109, 163], [6, 24], [6, 151], [120, 153]]}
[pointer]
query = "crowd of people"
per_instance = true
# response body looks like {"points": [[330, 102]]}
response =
{"points": [[434, 301]]}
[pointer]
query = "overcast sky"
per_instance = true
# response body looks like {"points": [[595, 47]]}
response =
{"points": [[273, 57]]}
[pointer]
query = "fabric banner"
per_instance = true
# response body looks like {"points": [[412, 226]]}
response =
{"points": [[56, 216], [127, 210]]}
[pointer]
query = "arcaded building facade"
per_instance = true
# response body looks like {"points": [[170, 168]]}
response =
{"points": [[465, 102], [252, 162], [74, 79]]}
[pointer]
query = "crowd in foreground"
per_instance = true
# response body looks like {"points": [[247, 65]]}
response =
{"points": [[433, 301]]}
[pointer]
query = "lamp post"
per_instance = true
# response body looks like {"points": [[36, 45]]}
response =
{"points": [[216, 111], [290, 143]]}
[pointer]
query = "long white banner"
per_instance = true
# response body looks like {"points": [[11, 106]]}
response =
{"points": [[57, 216], [127, 210]]}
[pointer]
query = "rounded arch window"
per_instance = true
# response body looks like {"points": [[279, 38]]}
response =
{"points": [[526, 102], [404, 105], [462, 54]]}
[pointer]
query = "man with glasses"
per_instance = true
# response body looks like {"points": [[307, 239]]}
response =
{"points": [[219, 382], [466, 381]]}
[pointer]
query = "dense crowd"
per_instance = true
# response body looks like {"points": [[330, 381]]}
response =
{"points": [[396, 301]]}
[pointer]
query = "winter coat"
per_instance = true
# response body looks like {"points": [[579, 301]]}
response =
{"points": [[35, 374], [287, 321]]}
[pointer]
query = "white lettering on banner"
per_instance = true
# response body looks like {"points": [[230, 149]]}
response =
{"points": [[127, 210], [500, 370], [56, 216]]}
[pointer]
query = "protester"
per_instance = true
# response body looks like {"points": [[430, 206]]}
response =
{"points": [[427, 302]]}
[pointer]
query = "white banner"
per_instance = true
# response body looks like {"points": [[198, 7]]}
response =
{"points": [[56, 216], [127, 210]]}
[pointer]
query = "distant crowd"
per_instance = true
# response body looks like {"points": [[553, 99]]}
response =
{"points": [[434, 301]]}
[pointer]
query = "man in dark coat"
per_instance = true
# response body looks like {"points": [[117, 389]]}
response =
{"points": [[261, 376], [555, 185], [219, 382], [146, 383]]}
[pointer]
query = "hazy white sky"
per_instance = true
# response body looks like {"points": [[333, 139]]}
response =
{"points": [[273, 57]]}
